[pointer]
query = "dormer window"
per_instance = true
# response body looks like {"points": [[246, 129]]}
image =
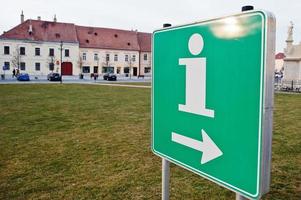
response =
{"points": [[116, 36], [129, 44], [95, 34], [87, 41]]}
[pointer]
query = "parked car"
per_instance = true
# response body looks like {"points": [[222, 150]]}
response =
{"points": [[23, 77], [109, 77], [54, 77]]}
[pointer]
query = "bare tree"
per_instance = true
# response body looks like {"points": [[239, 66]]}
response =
{"points": [[80, 63], [16, 58], [106, 62], [130, 64], [51, 63]]}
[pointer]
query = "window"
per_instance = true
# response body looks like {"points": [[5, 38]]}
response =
{"points": [[6, 50], [118, 70], [22, 50], [84, 56], [115, 57], [126, 70], [107, 69], [38, 66], [37, 51], [6, 65], [51, 52], [51, 66], [147, 70], [145, 56], [67, 52], [126, 58], [86, 69], [107, 57], [96, 57], [22, 65], [134, 58]]}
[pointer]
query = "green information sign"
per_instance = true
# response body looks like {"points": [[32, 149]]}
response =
{"points": [[212, 99]]}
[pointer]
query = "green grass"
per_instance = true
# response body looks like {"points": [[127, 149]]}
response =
{"points": [[93, 142]]}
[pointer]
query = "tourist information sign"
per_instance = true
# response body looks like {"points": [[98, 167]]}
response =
{"points": [[212, 99]]}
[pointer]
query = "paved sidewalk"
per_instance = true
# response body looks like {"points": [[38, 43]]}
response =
{"points": [[123, 85], [75, 80]]}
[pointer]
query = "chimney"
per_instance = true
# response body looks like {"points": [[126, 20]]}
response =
{"points": [[22, 17], [54, 19], [39, 18]]}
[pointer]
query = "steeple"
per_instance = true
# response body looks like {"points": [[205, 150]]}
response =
{"points": [[22, 17]]}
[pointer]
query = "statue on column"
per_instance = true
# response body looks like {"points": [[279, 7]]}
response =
{"points": [[290, 32], [289, 41]]}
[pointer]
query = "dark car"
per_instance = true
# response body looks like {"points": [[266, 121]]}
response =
{"points": [[23, 77], [109, 77], [54, 77]]}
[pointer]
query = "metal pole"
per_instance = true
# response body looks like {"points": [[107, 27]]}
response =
{"points": [[239, 197], [165, 165], [61, 60], [130, 66], [165, 179]]}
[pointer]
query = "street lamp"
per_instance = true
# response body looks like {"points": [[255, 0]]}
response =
{"points": [[61, 49]]}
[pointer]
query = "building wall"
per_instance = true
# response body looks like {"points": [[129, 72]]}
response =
{"points": [[44, 59], [145, 68], [278, 65], [117, 66], [76, 58], [292, 70]]}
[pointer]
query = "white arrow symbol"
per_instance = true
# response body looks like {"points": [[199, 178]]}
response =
{"points": [[208, 147]]}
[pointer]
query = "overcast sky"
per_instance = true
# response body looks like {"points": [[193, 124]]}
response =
{"points": [[147, 15]]}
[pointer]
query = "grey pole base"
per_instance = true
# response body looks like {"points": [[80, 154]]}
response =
{"points": [[239, 197], [165, 179]]}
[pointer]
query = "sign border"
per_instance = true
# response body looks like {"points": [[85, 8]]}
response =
{"points": [[266, 104]]}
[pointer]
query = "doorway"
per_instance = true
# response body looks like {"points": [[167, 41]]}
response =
{"points": [[95, 70], [135, 71], [67, 68]]}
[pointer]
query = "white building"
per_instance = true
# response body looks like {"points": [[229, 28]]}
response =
{"points": [[292, 62], [34, 47], [279, 62]]}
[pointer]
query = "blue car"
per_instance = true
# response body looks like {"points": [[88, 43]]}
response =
{"points": [[23, 77]]}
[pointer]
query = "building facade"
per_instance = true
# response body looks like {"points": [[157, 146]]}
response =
{"points": [[39, 47], [279, 62], [292, 62]]}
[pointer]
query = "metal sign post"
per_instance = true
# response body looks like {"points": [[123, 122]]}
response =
{"points": [[165, 179], [165, 165], [212, 100], [239, 197]]}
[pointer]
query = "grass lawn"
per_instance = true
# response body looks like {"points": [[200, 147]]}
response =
{"points": [[93, 142]]}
